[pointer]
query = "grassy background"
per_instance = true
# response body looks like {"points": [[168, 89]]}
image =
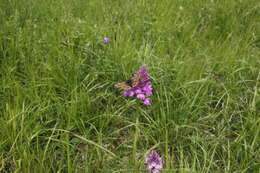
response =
{"points": [[60, 112]]}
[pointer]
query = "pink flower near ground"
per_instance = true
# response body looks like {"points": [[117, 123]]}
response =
{"points": [[154, 162]]}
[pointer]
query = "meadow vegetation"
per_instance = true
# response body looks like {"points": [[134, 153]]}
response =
{"points": [[60, 111]]}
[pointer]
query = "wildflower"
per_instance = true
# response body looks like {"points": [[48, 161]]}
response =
{"points": [[148, 89], [128, 93], [106, 40], [138, 91], [147, 101], [154, 162], [140, 86], [141, 96]]}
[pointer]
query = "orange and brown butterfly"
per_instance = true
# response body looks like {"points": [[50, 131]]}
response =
{"points": [[133, 82]]}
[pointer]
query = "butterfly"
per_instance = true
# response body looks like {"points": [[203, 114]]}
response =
{"points": [[133, 82]]}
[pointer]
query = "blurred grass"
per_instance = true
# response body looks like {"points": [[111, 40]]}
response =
{"points": [[60, 111]]}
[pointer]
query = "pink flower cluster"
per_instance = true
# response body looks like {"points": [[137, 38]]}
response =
{"points": [[154, 162], [144, 89]]}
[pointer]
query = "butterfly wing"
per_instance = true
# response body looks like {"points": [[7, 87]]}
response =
{"points": [[123, 85], [136, 79]]}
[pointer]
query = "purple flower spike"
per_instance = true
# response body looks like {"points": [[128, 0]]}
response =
{"points": [[106, 40], [143, 71], [154, 162], [142, 88]]}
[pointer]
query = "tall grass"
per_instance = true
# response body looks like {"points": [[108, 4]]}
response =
{"points": [[60, 112]]}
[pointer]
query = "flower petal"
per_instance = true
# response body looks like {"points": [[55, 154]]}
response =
{"points": [[147, 101], [140, 96], [138, 91]]}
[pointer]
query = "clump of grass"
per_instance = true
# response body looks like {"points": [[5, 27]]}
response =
{"points": [[60, 111]]}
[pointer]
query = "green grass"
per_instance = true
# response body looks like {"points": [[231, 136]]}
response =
{"points": [[60, 112]]}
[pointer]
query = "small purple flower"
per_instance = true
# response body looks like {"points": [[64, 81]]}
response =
{"points": [[147, 101], [154, 162], [148, 89], [140, 96], [138, 91], [106, 40], [128, 93]]}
